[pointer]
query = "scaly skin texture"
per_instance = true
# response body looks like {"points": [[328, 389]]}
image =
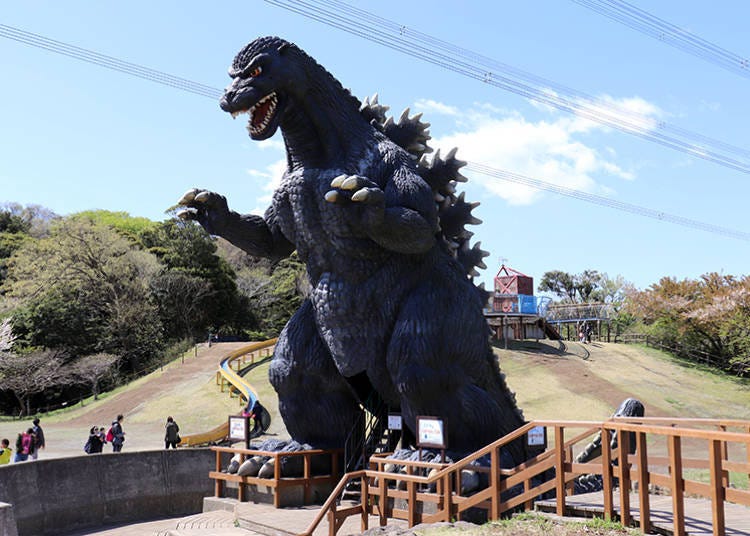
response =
{"points": [[391, 307]]}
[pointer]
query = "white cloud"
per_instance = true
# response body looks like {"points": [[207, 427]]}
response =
{"points": [[276, 144], [548, 151], [269, 178], [431, 106]]}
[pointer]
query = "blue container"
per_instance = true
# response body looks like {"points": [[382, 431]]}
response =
{"points": [[527, 304]]}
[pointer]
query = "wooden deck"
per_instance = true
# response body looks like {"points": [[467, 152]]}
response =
{"points": [[697, 512]]}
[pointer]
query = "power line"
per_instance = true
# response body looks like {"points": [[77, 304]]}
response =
{"points": [[403, 39], [668, 33], [606, 202], [108, 62], [184, 84]]}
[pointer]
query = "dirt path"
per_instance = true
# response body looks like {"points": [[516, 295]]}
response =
{"points": [[186, 390]]}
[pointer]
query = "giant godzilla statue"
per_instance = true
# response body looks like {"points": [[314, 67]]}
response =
{"points": [[393, 307]]}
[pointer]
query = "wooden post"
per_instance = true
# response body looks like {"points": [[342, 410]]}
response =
{"points": [[724, 457], [411, 501], [717, 489], [218, 482], [494, 485], [448, 494], [678, 485], [276, 477], [607, 480], [383, 499], [308, 475], [560, 470], [365, 501], [332, 523], [623, 441], [643, 495]]}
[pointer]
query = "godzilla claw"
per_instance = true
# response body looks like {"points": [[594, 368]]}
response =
{"points": [[369, 196], [187, 214], [188, 196], [207, 208], [355, 188]]}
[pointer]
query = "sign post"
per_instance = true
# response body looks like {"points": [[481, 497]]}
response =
{"points": [[431, 434], [239, 429]]}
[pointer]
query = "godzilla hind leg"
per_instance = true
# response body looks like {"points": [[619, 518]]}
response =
{"points": [[441, 364], [316, 402]]}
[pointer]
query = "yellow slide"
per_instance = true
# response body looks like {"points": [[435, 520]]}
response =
{"points": [[228, 374]]}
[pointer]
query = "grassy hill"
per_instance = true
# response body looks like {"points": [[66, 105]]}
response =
{"points": [[551, 381], [587, 382]]}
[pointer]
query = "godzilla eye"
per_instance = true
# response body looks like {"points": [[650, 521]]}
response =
{"points": [[256, 72]]}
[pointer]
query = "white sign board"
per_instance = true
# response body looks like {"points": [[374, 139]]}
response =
{"points": [[394, 422], [430, 432], [537, 436], [238, 428]]}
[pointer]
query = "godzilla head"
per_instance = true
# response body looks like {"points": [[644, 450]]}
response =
{"points": [[260, 85]]}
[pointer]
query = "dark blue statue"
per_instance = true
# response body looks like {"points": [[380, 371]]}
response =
{"points": [[392, 308]]}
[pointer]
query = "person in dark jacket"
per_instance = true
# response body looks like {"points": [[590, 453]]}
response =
{"points": [[171, 434], [39, 442], [95, 443], [118, 436]]}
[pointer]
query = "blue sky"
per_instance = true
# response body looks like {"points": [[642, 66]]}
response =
{"points": [[74, 136]]}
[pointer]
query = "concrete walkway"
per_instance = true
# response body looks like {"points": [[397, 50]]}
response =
{"points": [[242, 519]]}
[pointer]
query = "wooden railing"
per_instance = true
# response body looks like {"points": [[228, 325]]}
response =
{"points": [[658, 461], [276, 483]]}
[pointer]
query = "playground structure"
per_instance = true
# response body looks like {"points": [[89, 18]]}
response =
{"points": [[228, 378], [595, 317], [513, 312]]}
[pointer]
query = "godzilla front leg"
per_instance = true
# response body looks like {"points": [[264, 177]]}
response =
{"points": [[396, 228]]}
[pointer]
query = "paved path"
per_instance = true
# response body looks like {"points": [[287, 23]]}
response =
{"points": [[251, 520], [697, 512]]}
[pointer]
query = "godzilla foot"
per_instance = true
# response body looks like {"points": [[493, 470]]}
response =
{"points": [[291, 466]]}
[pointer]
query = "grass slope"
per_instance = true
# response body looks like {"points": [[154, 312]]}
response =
{"points": [[588, 382], [578, 382]]}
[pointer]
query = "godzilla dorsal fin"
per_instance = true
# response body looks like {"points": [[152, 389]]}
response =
{"points": [[442, 174]]}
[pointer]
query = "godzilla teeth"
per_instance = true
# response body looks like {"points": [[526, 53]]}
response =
{"points": [[272, 100]]}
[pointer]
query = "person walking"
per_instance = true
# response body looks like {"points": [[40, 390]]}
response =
{"points": [[118, 435], [95, 442], [38, 438], [5, 452], [23, 446], [171, 434]]}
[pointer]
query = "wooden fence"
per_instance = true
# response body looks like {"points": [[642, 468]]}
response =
{"points": [[700, 457]]}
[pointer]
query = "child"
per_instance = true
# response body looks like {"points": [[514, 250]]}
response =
{"points": [[5, 452]]}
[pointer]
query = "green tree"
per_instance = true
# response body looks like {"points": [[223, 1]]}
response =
{"points": [[91, 370], [27, 374], [561, 284], [196, 279], [18, 223], [707, 318], [85, 289]]}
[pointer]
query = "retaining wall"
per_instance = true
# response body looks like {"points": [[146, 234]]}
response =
{"points": [[63, 494]]}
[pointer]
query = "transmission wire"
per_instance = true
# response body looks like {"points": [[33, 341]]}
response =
{"points": [[190, 86], [400, 38], [668, 33]]}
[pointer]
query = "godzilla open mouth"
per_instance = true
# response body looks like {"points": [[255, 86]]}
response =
{"points": [[261, 114]]}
